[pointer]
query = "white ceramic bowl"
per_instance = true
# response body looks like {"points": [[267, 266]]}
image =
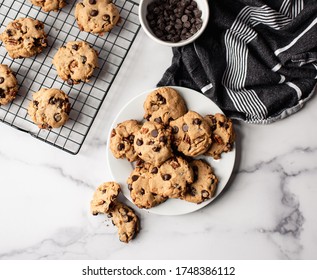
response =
{"points": [[202, 5]]}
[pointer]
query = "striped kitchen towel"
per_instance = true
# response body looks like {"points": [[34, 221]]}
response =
{"points": [[257, 59]]}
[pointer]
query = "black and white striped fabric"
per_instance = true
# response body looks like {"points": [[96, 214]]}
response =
{"points": [[257, 59]]}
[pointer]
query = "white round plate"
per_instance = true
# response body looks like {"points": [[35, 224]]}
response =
{"points": [[120, 169]]}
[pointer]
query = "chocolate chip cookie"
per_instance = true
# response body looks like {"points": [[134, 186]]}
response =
{"points": [[222, 134], [192, 135], [140, 192], [75, 62], [153, 143], [49, 108], [104, 198], [163, 105], [204, 185], [126, 221], [49, 5], [96, 16], [171, 178], [8, 85], [122, 140], [24, 37]]}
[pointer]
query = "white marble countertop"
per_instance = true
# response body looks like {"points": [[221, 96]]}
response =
{"points": [[267, 211]]}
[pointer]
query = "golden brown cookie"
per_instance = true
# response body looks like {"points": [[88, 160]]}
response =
{"points": [[204, 185], [139, 186], [75, 62], [24, 37], [8, 85], [50, 108], [192, 135], [153, 143], [171, 178], [222, 135], [96, 16], [49, 5], [104, 198], [127, 222], [163, 105], [122, 140]]}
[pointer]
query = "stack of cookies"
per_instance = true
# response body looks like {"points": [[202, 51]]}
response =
{"points": [[75, 62], [164, 148]]}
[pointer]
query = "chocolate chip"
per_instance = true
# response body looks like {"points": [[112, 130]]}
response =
{"points": [[185, 127], [139, 142], [135, 177], [131, 139], [35, 103], [160, 98], [52, 101], [158, 120], [1, 80], [2, 95], [184, 18], [163, 139], [106, 18], [156, 149], [142, 191], [57, 117], [175, 129], [130, 187], [197, 121], [120, 147], [92, 2], [154, 170], [94, 13], [75, 47], [9, 32], [70, 82], [83, 59], [191, 190], [154, 132], [126, 219], [166, 177]]}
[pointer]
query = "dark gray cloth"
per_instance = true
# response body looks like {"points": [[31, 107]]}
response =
{"points": [[257, 60]]}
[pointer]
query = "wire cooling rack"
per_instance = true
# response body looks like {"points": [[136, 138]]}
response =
{"points": [[37, 72]]}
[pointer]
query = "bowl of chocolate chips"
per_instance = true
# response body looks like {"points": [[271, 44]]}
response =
{"points": [[174, 23]]}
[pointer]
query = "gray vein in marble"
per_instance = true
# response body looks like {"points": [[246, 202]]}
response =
{"points": [[51, 167], [292, 224], [68, 176]]}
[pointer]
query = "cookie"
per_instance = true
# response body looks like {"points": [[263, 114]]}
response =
{"points": [[96, 16], [49, 108], [222, 134], [127, 222], [104, 198], [171, 178], [140, 192], [204, 185], [8, 85], [192, 135], [49, 5], [153, 143], [122, 139], [163, 105], [75, 62], [24, 37]]}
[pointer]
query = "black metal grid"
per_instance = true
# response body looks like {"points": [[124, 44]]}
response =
{"points": [[37, 72]]}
